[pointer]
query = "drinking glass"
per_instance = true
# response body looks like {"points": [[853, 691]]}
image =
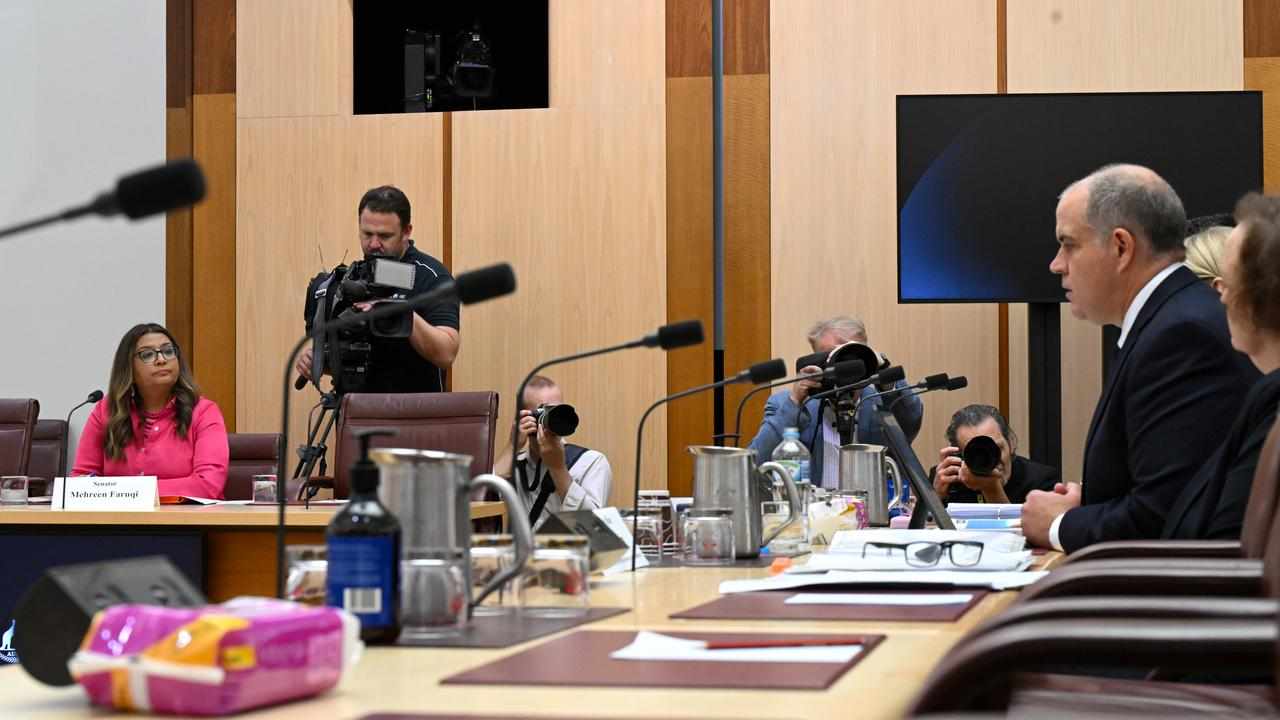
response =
{"points": [[708, 537], [433, 598], [264, 489], [13, 490], [308, 566], [554, 581], [791, 541], [490, 555]]}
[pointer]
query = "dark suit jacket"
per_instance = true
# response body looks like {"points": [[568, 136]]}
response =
{"points": [[1211, 506], [1174, 389], [1027, 475]]}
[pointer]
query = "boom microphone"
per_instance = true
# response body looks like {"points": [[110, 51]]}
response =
{"points": [[759, 373], [171, 186], [94, 397], [675, 335]]}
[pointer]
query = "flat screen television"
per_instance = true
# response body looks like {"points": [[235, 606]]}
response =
{"points": [[979, 177]]}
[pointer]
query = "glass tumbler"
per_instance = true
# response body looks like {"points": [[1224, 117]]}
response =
{"points": [[791, 541], [308, 566], [13, 490], [554, 581], [433, 598], [648, 530], [490, 555], [708, 537], [264, 489]]}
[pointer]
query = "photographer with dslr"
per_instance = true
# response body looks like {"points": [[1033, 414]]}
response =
{"points": [[399, 356], [981, 464], [815, 419], [553, 475]]}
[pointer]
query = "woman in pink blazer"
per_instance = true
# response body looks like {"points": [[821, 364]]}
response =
{"points": [[153, 421]]}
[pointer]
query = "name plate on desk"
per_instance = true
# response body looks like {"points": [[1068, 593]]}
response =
{"points": [[106, 493]]}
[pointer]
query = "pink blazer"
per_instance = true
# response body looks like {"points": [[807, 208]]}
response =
{"points": [[195, 465]]}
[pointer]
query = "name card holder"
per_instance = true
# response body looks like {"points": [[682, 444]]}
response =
{"points": [[106, 493]]}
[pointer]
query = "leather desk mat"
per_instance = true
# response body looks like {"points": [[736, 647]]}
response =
{"points": [[772, 605], [582, 659], [512, 628]]}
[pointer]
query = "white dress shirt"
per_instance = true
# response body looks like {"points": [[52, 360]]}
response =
{"points": [[1130, 317], [592, 478]]}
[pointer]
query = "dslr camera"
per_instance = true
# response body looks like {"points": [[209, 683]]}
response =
{"points": [[348, 355], [557, 418], [982, 455]]}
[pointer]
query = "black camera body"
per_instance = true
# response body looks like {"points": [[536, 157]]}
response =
{"points": [[982, 455], [348, 355], [558, 418]]}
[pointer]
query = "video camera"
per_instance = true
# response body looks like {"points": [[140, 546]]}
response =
{"points": [[349, 354]]}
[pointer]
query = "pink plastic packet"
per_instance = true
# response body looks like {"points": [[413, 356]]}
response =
{"points": [[214, 660]]}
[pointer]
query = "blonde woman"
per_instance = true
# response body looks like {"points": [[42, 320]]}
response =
{"points": [[1204, 254], [153, 421]]}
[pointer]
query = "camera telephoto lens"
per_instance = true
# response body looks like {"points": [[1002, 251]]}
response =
{"points": [[560, 419], [982, 455]]}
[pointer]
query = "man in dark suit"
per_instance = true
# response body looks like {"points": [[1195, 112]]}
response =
{"points": [[1176, 384]]}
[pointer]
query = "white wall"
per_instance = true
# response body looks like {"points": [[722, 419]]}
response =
{"points": [[83, 102]]}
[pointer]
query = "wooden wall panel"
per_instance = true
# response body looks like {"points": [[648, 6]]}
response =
{"points": [[1261, 28], [177, 236], [1088, 46], [835, 69], [294, 58], [581, 216], [299, 182], [1263, 73], [747, 258], [690, 269], [746, 37], [212, 349], [215, 46]]}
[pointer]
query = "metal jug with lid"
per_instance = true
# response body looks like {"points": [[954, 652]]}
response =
{"points": [[726, 477]]}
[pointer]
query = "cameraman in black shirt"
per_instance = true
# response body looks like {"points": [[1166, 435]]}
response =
{"points": [[1010, 478], [417, 363]]}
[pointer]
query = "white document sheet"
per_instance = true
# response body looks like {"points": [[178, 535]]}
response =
{"points": [[655, 646], [923, 578], [878, 599]]}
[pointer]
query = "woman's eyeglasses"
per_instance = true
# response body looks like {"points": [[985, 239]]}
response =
{"points": [[148, 356], [962, 553]]}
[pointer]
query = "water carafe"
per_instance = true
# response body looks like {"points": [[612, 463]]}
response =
{"points": [[430, 491], [726, 477], [864, 468]]}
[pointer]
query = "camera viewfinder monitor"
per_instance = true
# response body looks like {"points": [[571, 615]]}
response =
{"points": [[979, 177]]}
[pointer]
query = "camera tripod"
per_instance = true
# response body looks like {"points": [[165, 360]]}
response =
{"points": [[315, 450]]}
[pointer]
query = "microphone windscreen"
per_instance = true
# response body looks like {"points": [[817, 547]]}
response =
{"points": [[890, 375], [849, 372], [485, 283], [767, 371], [94, 396], [681, 334], [934, 382], [170, 186], [956, 383], [818, 359]]}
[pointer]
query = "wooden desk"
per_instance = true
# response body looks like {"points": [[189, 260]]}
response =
{"points": [[239, 540], [407, 679]]}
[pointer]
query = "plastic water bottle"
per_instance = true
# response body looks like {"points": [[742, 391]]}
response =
{"points": [[792, 455]]}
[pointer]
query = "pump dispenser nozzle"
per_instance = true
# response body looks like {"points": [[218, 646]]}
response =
{"points": [[364, 473]]}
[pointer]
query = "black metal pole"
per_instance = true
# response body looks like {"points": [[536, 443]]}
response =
{"points": [[717, 204], [1044, 376]]}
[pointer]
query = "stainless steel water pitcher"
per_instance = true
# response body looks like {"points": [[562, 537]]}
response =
{"points": [[726, 477], [863, 467], [430, 492]]}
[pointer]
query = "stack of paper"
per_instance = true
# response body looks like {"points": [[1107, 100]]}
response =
{"points": [[985, 511]]}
